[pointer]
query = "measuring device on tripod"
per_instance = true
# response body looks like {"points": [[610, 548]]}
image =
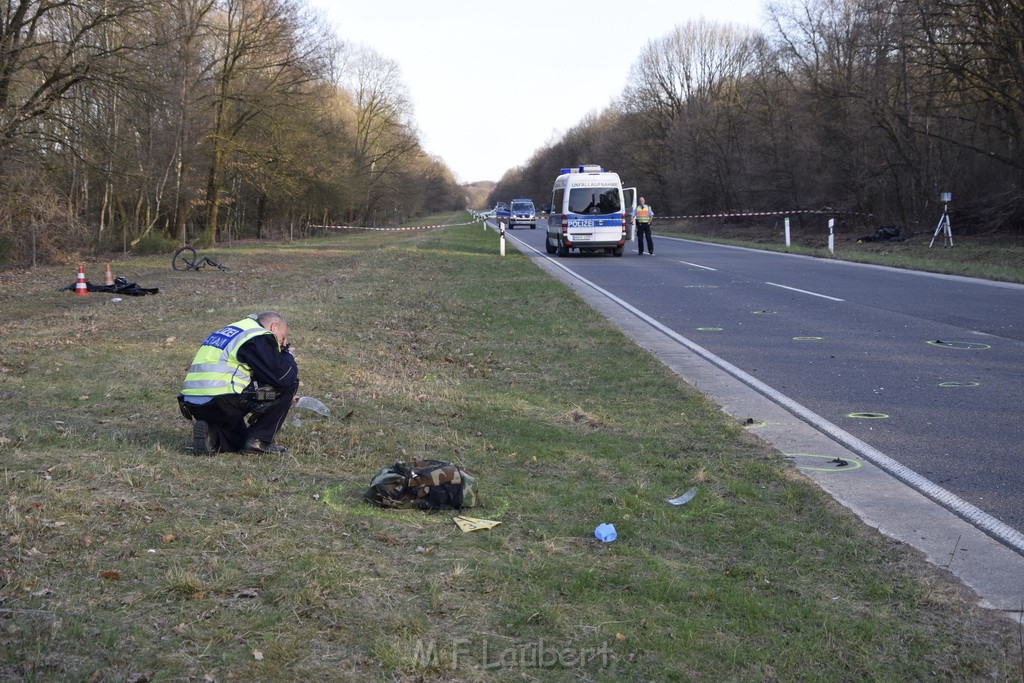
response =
{"points": [[943, 226]]}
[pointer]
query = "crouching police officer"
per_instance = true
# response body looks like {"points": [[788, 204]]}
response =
{"points": [[244, 369]]}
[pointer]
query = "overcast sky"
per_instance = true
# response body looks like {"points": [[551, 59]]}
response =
{"points": [[484, 75]]}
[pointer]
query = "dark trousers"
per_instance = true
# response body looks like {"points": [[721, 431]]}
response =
{"points": [[643, 230], [226, 417]]}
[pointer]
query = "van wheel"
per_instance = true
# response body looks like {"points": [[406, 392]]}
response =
{"points": [[533, 227], [548, 247], [562, 249], [618, 251]]}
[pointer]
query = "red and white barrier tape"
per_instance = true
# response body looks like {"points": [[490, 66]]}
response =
{"points": [[418, 227], [766, 213]]}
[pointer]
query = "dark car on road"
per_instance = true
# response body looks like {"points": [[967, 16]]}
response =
{"points": [[523, 213]]}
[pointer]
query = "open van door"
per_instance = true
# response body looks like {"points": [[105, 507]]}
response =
{"points": [[629, 207]]}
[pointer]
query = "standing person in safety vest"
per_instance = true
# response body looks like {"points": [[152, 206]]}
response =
{"points": [[643, 215], [244, 369]]}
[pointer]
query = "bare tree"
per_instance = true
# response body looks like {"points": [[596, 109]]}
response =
{"points": [[143, 119], [383, 133], [907, 95], [258, 55], [680, 95], [977, 46], [46, 47]]}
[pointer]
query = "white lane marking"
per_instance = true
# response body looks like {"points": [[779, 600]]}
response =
{"points": [[698, 266], [804, 291], [838, 263]]}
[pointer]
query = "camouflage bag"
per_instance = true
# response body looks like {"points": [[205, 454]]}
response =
{"points": [[423, 484]]}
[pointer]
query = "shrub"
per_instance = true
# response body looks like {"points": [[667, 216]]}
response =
{"points": [[6, 249], [155, 243]]}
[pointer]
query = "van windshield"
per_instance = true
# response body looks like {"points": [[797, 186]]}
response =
{"points": [[594, 200], [525, 207]]}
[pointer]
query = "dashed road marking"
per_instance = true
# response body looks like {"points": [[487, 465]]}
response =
{"points": [[695, 265], [804, 291]]}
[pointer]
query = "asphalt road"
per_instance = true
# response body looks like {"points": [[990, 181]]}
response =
{"points": [[928, 369]]}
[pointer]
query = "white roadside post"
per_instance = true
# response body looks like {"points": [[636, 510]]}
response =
{"points": [[501, 231], [787, 231], [831, 236]]}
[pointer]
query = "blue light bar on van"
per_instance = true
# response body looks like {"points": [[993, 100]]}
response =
{"points": [[564, 171]]}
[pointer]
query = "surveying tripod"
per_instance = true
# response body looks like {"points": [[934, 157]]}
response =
{"points": [[944, 228]]}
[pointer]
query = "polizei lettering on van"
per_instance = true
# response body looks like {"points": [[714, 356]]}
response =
{"points": [[588, 213], [614, 221]]}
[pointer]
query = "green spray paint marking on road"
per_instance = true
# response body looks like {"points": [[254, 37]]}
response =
{"points": [[966, 345], [834, 464]]}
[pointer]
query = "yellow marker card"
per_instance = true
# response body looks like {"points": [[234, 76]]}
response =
{"points": [[474, 524]]}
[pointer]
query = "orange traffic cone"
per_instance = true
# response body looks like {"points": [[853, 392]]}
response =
{"points": [[81, 289], [108, 279]]}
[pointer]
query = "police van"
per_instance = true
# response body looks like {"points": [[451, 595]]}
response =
{"points": [[590, 211]]}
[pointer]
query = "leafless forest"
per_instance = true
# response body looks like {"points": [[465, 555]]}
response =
{"points": [[137, 124], [870, 108]]}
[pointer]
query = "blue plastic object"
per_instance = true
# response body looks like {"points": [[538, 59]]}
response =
{"points": [[605, 533]]}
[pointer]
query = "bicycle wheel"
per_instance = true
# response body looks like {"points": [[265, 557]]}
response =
{"points": [[184, 259]]}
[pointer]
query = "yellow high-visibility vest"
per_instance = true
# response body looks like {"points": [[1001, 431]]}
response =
{"points": [[643, 214], [216, 369]]}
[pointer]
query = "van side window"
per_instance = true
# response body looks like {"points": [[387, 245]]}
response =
{"points": [[609, 202], [556, 200]]}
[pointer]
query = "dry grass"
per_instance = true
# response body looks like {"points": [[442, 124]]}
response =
{"points": [[123, 555]]}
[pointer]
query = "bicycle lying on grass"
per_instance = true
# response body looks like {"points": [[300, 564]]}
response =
{"points": [[187, 259]]}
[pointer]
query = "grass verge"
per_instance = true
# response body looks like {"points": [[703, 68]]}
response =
{"points": [[123, 555]]}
